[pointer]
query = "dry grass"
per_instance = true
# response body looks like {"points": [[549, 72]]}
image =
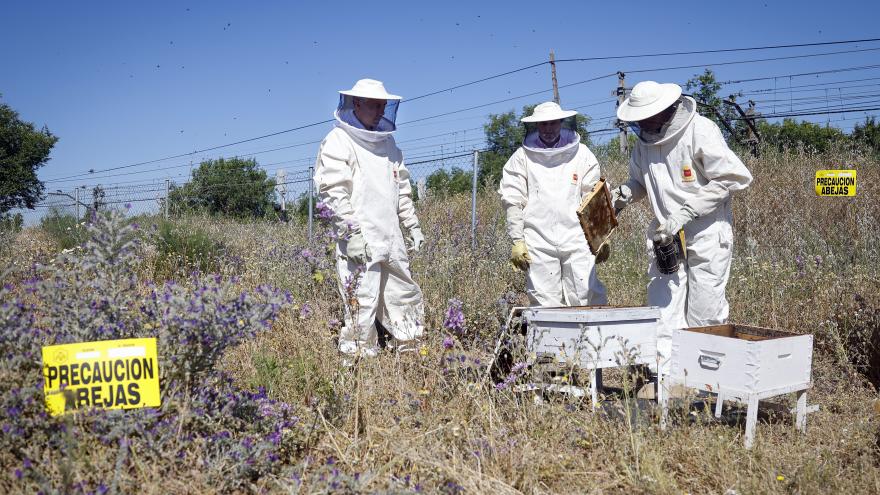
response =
{"points": [[400, 416], [403, 423]]}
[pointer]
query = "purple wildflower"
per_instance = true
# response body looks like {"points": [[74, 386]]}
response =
{"points": [[448, 343], [305, 311], [515, 372], [454, 320], [324, 212]]}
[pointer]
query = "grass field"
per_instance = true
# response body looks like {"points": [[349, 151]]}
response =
{"points": [[263, 405]]}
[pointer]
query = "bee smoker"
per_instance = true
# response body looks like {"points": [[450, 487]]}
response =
{"points": [[668, 253]]}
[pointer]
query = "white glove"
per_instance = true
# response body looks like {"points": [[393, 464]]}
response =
{"points": [[620, 198], [675, 222], [356, 249], [417, 238]]}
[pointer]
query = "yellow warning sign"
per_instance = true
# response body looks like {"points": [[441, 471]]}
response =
{"points": [[110, 374], [836, 182]]}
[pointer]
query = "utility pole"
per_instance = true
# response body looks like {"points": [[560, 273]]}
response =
{"points": [[311, 200], [730, 129], [621, 95], [281, 189], [167, 196], [749, 118], [553, 75], [475, 172], [754, 138]]}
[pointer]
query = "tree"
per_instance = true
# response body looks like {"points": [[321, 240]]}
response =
{"points": [[233, 187], [300, 206], [11, 222], [610, 151], [445, 183], [504, 134], [704, 89], [788, 134], [23, 150], [868, 134], [791, 134], [98, 198]]}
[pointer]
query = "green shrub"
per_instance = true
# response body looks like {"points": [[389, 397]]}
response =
{"points": [[184, 249], [63, 228], [232, 187], [11, 223]]}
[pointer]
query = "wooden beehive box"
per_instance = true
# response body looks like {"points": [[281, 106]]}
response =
{"points": [[596, 215], [741, 360], [594, 337]]}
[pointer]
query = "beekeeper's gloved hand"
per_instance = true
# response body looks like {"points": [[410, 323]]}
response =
{"points": [[417, 238], [356, 250], [675, 222], [604, 253], [519, 255]]}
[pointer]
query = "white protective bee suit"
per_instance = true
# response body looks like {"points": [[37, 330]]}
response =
{"points": [[541, 189], [360, 174], [687, 172]]}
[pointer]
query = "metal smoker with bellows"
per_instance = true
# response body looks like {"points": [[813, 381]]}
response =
{"points": [[738, 363]]}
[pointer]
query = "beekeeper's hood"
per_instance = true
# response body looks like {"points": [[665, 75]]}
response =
{"points": [[546, 112], [647, 99], [366, 92]]}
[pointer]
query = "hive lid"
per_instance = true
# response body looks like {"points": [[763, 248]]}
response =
{"points": [[742, 332]]}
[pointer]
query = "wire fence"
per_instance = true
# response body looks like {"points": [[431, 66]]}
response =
{"points": [[288, 193], [291, 191], [79, 201]]}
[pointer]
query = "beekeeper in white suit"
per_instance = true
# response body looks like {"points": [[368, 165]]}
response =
{"points": [[541, 188], [361, 176], [683, 165]]}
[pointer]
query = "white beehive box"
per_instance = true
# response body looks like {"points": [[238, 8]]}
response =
{"points": [[594, 337], [741, 359], [746, 364]]}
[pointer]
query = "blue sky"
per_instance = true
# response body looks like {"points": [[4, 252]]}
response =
{"points": [[125, 82]]}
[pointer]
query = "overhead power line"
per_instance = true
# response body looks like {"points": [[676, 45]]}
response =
{"points": [[805, 113], [520, 69], [782, 89], [305, 126], [471, 83], [815, 92], [816, 85], [534, 93], [752, 61], [833, 97], [721, 50], [181, 155], [248, 155], [799, 74]]}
